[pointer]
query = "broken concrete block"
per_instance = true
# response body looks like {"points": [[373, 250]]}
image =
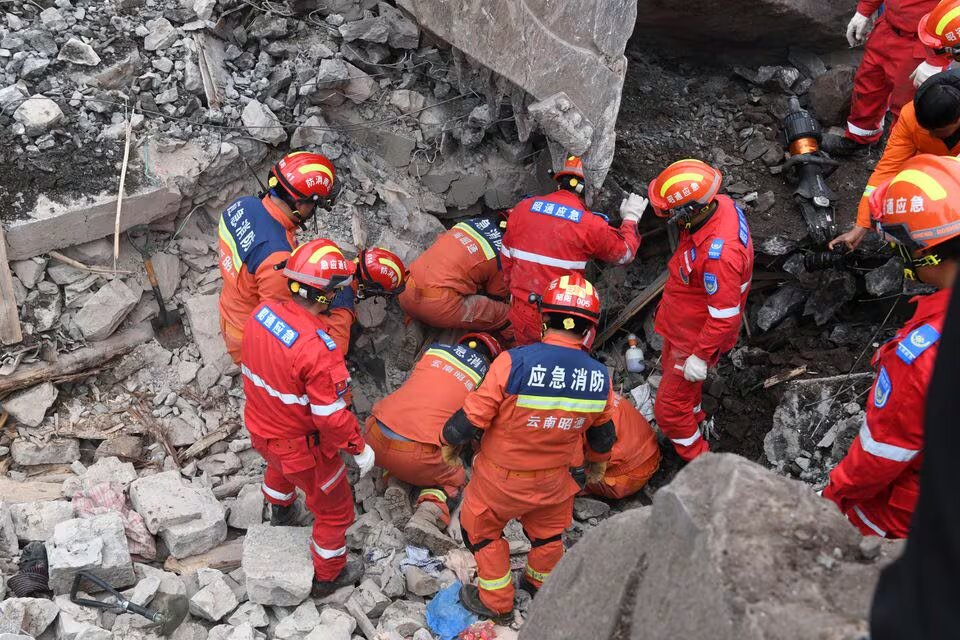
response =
{"points": [[37, 520], [161, 35], [30, 272], [403, 33], [44, 306], [404, 617], [120, 446], [76, 51], [563, 123], [214, 601], [370, 29], [111, 470], [57, 451], [170, 583], [465, 191], [361, 85], [334, 625], [9, 546], [200, 534], [74, 618], [220, 464], [247, 510], [370, 599], [100, 316], [245, 632], [38, 115], [191, 631], [164, 500], [31, 616], [96, 544], [251, 613], [145, 591], [29, 408], [278, 564], [299, 623], [96, 633], [420, 583], [166, 266], [95, 252], [204, 316], [586, 508], [262, 123]]}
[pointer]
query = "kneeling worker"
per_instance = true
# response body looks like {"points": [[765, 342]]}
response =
{"points": [[533, 409], [404, 429], [295, 381], [634, 458]]}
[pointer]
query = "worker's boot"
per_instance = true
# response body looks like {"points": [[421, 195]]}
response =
{"points": [[412, 339], [841, 146], [284, 516], [528, 586], [398, 505], [470, 599], [351, 574], [425, 529]]}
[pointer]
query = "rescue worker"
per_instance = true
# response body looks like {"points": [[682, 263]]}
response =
{"points": [[930, 124], [257, 234], [296, 385], [634, 458], [404, 431], [378, 273], [705, 295], [939, 31], [456, 283], [877, 483], [893, 59], [534, 409], [549, 236]]}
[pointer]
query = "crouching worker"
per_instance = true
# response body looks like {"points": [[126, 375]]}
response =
{"points": [[404, 431], [533, 409], [634, 458], [295, 381]]}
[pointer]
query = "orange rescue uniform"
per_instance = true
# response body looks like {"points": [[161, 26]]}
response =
{"points": [[635, 456], [534, 407]]}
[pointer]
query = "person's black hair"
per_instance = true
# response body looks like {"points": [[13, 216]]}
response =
{"points": [[556, 320], [949, 250], [938, 106]]}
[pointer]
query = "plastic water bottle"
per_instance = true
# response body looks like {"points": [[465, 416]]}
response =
{"points": [[634, 355]]}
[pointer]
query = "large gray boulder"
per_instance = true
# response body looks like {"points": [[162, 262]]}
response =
{"points": [[729, 551]]}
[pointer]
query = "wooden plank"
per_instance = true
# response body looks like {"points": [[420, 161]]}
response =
{"points": [[641, 300], [10, 332], [80, 360], [226, 558], [13, 492]]}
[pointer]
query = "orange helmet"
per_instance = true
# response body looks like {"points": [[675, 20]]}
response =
{"points": [[484, 343], [571, 295], [919, 208], [940, 29], [684, 187], [316, 269], [380, 272], [572, 166], [302, 176]]}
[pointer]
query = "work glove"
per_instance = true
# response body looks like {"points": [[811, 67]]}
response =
{"points": [[579, 475], [595, 471], [694, 369], [365, 460], [343, 299], [632, 207], [451, 456], [857, 29], [923, 72]]}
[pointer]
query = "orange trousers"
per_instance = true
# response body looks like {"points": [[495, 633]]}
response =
{"points": [[328, 496], [541, 500], [677, 407], [618, 485], [233, 338], [418, 464], [447, 309]]}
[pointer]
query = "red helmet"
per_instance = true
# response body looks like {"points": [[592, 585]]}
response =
{"points": [[940, 29], [304, 177], [571, 295], [380, 272], [572, 166], [684, 184], [482, 342], [318, 268]]}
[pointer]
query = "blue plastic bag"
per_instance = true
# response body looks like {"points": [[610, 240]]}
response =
{"points": [[446, 616]]}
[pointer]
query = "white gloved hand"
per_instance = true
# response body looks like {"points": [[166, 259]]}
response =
{"points": [[857, 29], [923, 72], [632, 207], [365, 460], [694, 369]]}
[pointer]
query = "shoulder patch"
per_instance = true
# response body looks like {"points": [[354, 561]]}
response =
{"points": [[327, 340], [882, 389], [744, 230], [710, 283], [684, 276], [277, 327], [556, 210], [916, 342], [716, 248], [693, 254]]}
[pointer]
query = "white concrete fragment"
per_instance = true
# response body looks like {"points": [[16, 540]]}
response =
{"points": [[31, 616], [96, 544], [262, 123], [105, 310], [29, 408], [73, 618], [247, 510], [37, 520], [299, 623], [164, 500], [79, 52], [8, 534], [250, 612], [277, 564], [38, 114], [214, 601]]}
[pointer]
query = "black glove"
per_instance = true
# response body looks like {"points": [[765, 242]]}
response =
{"points": [[579, 475]]}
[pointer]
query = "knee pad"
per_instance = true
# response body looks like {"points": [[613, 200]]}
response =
{"points": [[471, 545], [539, 542]]}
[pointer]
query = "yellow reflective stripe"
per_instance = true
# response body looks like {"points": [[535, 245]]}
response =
{"points": [[945, 20], [436, 493], [393, 265], [443, 355], [321, 252], [868, 190], [224, 234], [307, 168], [483, 242], [922, 181], [494, 585], [693, 177], [536, 575], [575, 405]]}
